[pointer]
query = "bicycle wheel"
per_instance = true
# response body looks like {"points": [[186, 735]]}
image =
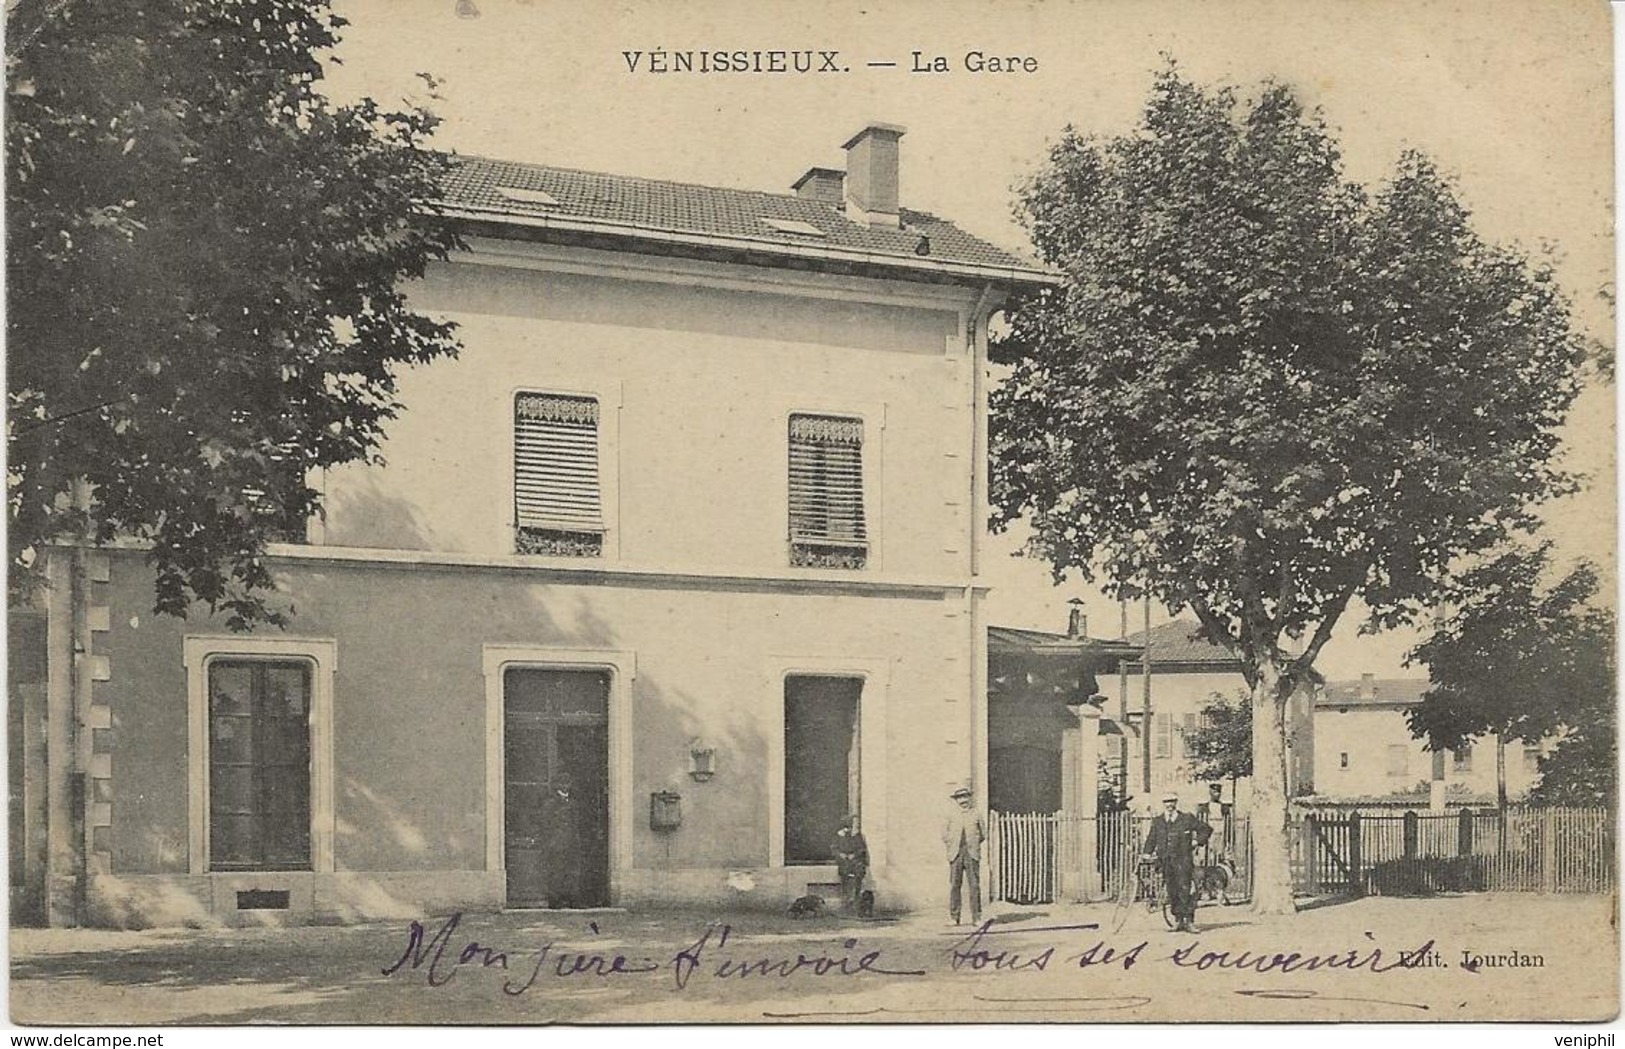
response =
{"points": [[1121, 907], [1156, 901]]}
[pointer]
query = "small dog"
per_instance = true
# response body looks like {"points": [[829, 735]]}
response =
{"points": [[809, 906], [866, 903], [1213, 880]]}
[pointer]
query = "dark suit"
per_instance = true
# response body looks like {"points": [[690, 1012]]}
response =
{"points": [[1172, 842], [562, 827], [851, 864]]}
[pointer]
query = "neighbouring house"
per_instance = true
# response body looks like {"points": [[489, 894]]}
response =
{"points": [[1187, 672], [1366, 751], [675, 566]]}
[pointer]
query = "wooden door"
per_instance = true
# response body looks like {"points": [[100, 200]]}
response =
{"points": [[556, 793]]}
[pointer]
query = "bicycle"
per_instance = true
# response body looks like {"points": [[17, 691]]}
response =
{"points": [[1148, 891]]}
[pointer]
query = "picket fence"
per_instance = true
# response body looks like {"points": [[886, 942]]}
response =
{"points": [[1049, 857]]}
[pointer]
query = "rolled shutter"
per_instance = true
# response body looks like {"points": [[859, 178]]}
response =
{"points": [[826, 480], [556, 463]]}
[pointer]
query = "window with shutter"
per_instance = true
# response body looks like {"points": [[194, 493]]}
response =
{"points": [[826, 492], [557, 503], [1163, 740], [1187, 729]]}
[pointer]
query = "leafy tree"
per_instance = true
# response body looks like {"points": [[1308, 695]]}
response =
{"points": [[205, 267], [1221, 747], [1263, 392], [1523, 660], [1583, 770]]}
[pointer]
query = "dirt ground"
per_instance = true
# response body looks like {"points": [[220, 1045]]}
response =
{"points": [[1520, 957]]}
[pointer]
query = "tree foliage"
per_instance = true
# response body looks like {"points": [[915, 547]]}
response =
{"points": [[1263, 391], [1221, 747], [1583, 770], [1525, 659], [206, 259]]}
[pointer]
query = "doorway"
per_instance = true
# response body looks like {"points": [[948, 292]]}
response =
{"points": [[556, 786], [821, 764]]}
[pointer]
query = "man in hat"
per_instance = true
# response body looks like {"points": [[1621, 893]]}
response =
{"points": [[962, 837], [1172, 842]]}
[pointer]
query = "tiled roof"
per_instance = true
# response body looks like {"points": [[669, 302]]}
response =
{"points": [[1017, 639], [1381, 692], [1176, 642], [474, 188]]}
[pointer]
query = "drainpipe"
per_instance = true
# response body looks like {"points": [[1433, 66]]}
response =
{"points": [[79, 735], [980, 314], [976, 346], [68, 737]]}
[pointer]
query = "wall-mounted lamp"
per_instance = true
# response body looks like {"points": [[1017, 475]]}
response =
{"points": [[702, 760]]}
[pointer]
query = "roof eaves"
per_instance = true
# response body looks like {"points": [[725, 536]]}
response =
{"points": [[1022, 276]]}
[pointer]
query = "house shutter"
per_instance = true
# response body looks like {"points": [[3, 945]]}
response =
{"points": [[827, 525], [556, 464], [1162, 742]]}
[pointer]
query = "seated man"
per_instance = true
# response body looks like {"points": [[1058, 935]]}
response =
{"points": [[851, 861]]}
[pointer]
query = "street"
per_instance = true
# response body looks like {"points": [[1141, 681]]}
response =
{"points": [[1523, 957]]}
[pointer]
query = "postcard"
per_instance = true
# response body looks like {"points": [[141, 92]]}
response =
{"points": [[526, 512]]}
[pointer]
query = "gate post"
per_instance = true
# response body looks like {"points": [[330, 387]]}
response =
{"points": [[1464, 833], [1356, 863], [1311, 852], [1410, 834], [1080, 764]]}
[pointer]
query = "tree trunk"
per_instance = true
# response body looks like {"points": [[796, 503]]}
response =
{"points": [[1500, 772], [1272, 856]]}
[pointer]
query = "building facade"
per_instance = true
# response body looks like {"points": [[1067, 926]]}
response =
{"points": [[1186, 674], [1368, 753], [674, 567]]}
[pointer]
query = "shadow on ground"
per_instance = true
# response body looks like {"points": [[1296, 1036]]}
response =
{"points": [[516, 967]]}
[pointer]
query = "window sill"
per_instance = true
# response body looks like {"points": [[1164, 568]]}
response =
{"points": [[588, 568]]}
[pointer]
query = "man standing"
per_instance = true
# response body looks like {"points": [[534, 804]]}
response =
{"points": [[962, 837], [1172, 841], [562, 827]]}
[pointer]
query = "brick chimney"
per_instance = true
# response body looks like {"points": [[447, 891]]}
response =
{"points": [[825, 185], [871, 174]]}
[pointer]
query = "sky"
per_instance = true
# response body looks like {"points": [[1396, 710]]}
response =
{"points": [[1513, 99]]}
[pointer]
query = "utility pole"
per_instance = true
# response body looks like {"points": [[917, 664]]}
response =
{"points": [[1145, 699], [1122, 704]]}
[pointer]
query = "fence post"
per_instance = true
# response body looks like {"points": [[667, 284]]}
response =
{"points": [[1464, 833], [1410, 834], [1548, 851], [995, 856], [1356, 864]]}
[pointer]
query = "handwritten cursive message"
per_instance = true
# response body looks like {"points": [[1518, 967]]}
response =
{"points": [[718, 952]]}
